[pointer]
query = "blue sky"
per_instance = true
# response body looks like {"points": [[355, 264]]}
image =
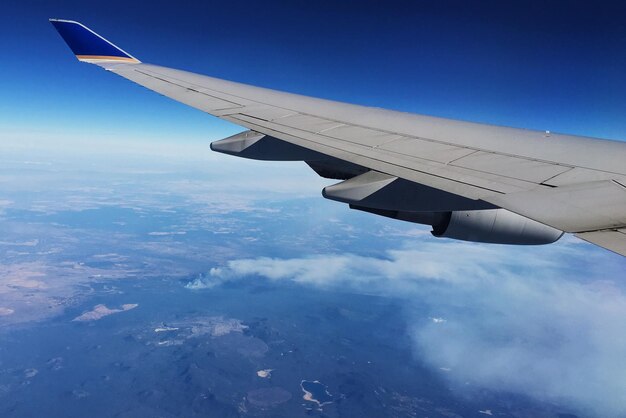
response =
{"points": [[559, 66]]}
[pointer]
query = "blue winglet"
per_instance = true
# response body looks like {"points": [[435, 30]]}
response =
{"points": [[87, 45]]}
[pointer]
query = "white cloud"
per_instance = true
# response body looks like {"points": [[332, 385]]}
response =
{"points": [[543, 321]]}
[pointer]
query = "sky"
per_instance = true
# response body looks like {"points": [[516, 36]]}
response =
{"points": [[555, 65]]}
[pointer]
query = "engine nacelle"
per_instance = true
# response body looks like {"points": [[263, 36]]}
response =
{"points": [[497, 226]]}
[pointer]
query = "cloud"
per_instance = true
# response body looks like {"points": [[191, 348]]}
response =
{"points": [[543, 321], [208, 281]]}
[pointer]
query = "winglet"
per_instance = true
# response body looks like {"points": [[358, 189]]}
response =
{"points": [[88, 46]]}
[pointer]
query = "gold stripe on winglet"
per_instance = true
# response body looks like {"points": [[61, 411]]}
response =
{"points": [[105, 58]]}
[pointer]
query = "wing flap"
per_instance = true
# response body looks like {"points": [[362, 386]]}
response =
{"points": [[613, 240], [360, 135], [579, 175], [512, 167], [427, 150], [574, 208], [307, 123]]}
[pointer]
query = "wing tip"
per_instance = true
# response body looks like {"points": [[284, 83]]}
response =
{"points": [[87, 45]]}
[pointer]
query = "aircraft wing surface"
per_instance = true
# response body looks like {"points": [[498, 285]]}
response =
{"points": [[571, 183]]}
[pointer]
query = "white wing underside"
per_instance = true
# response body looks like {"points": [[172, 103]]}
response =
{"points": [[571, 183]]}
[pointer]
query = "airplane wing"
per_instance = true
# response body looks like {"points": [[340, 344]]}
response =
{"points": [[469, 181]]}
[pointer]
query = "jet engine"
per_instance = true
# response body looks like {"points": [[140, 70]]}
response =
{"points": [[497, 226]]}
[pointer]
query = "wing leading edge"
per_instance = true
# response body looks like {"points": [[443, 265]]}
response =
{"points": [[569, 183]]}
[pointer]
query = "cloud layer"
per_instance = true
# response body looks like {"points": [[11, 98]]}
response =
{"points": [[547, 322]]}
